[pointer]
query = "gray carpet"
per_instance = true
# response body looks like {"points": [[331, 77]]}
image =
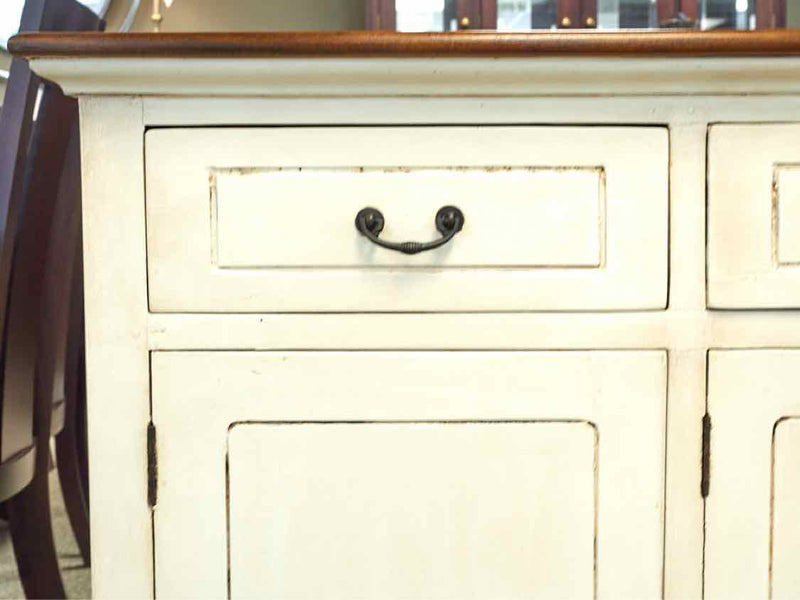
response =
{"points": [[75, 575]]}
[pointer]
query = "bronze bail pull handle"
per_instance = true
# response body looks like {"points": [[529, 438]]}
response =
{"points": [[449, 221]]}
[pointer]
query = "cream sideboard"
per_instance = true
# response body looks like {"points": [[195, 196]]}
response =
{"points": [[586, 390]]}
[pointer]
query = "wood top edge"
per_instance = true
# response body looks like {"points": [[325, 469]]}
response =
{"points": [[781, 42]]}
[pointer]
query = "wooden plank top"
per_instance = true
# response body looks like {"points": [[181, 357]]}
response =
{"points": [[781, 42]]}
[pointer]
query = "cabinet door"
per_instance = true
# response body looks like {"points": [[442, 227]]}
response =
{"points": [[333, 475], [753, 507]]}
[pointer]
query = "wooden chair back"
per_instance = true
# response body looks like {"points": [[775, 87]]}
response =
{"points": [[39, 235], [31, 161]]}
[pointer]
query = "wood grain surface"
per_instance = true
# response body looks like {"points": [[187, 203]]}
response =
{"points": [[784, 42]]}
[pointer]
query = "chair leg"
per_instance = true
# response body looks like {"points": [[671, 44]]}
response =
{"points": [[69, 475], [81, 430], [71, 441], [32, 533]]}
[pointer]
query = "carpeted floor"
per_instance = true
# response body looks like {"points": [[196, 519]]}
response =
{"points": [[73, 572]]}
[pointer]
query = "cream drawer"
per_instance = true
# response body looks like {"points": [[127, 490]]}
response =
{"points": [[754, 216], [263, 219]]}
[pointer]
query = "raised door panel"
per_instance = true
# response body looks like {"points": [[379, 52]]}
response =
{"points": [[263, 219], [786, 509], [412, 510], [752, 515], [467, 466]]}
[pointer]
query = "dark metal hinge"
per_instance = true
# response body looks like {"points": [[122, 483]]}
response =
{"points": [[152, 466], [705, 464]]}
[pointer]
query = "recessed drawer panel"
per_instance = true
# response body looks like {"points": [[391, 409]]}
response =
{"points": [[565, 226], [264, 219], [754, 216]]}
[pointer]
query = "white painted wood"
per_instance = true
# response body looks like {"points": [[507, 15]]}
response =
{"points": [[786, 509], [676, 109], [684, 325], [753, 216], [750, 393], [686, 329], [117, 363], [578, 331], [198, 395], [412, 510], [684, 333], [614, 221], [423, 76]]}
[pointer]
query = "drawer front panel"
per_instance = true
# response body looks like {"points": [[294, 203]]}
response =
{"points": [[263, 219], [754, 216], [409, 474]]}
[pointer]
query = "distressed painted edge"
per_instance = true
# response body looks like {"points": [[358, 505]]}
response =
{"points": [[374, 77]]}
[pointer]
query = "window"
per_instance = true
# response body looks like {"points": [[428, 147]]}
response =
{"points": [[523, 15]]}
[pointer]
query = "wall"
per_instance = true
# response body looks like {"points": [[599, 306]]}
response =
{"points": [[187, 15], [238, 15], [792, 13], [261, 15]]}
